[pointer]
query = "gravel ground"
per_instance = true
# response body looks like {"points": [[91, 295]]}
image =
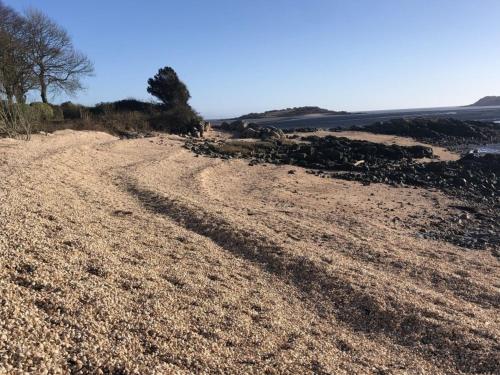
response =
{"points": [[136, 256]]}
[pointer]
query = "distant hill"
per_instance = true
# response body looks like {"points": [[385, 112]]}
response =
{"points": [[291, 112], [487, 101]]}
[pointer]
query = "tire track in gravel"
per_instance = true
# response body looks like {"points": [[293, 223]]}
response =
{"points": [[297, 270], [403, 323], [463, 288], [176, 199]]}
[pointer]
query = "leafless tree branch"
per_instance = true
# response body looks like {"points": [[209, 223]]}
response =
{"points": [[56, 63]]}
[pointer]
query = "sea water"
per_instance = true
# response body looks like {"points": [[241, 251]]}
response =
{"points": [[489, 149]]}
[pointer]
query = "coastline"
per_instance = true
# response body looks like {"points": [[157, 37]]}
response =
{"points": [[369, 117]]}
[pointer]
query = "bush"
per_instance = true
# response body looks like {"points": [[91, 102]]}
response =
{"points": [[16, 120], [42, 111], [124, 121], [126, 105], [72, 111], [57, 111], [179, 120]]}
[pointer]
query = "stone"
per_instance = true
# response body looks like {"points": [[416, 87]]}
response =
{"points": [[445, 132]]}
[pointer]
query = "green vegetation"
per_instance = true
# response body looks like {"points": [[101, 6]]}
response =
{"points": [[37, 54], [291, 112], [242, 148], [16, 119], [177, 115], [42, 111]]}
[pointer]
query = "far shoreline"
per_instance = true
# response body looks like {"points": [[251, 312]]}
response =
{"points": [[363, 118]]}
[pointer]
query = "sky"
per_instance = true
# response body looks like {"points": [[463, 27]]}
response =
{"points": [[240, 56]]}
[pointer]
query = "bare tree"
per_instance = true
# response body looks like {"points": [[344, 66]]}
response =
{"points": [[16, 70], [56, 63]]}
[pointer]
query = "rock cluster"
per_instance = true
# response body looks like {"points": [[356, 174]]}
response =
{"points": [[126, 134], [201, 128], [196, 129], [449, 133], [339, 153], [251, 130], [477, 227], [322, 153], [473, 178], [301, 130]]}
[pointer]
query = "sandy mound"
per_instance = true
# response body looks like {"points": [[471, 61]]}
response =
{"points": [[122, 256]]}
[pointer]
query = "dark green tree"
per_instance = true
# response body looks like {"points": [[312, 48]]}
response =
{"points": [[167, 87]]}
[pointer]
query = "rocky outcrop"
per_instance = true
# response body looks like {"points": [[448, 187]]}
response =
{"points": [[473, 178], [301, 130], [443, 132], [235, 126], [126, 134], [253, 131], [323, 153], [201, 128]]}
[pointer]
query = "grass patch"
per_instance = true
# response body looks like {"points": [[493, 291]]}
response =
{"points": [[242, 148]]}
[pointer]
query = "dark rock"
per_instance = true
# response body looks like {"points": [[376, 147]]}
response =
{"points": [[253, 131], [473, 178], [250, 133], [300, 130], [444, 132]]}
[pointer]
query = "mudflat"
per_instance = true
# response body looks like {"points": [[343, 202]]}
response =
{"points": [[138, 256]]}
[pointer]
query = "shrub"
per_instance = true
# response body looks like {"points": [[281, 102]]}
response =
{"points": [[132, 105], [16, 120], [57, 111], [126, 105], [42, 111], [72, 111], [124, 121], [179, 120]]}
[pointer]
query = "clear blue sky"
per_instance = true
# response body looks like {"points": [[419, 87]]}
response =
{"points": [[239, 56]]}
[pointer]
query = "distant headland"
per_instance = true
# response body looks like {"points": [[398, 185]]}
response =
{"points": [[487, 101], [291, 112]]}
